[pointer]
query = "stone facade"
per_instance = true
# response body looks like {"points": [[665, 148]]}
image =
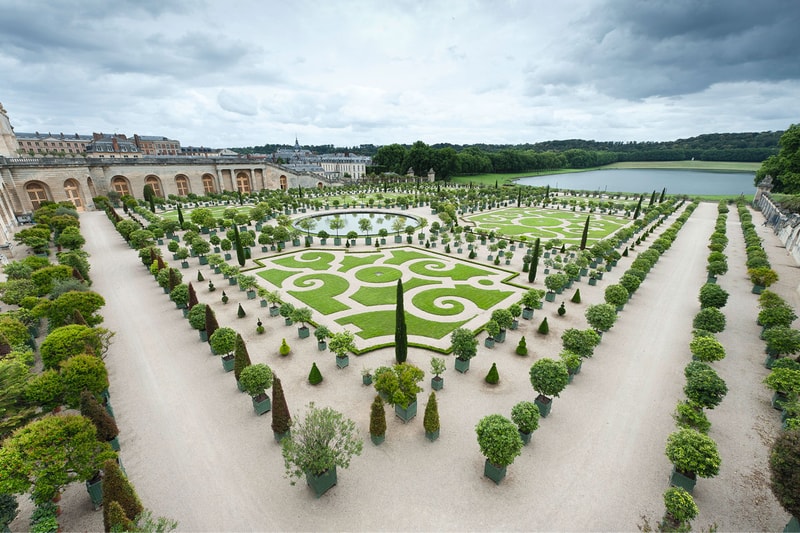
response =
{"points": [[785, 225], [26, 181]]}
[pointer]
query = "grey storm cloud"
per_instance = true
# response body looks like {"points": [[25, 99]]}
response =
{"points": [[636, 49]]}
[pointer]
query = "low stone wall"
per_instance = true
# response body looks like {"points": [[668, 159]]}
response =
{"points": [[785, 225]]}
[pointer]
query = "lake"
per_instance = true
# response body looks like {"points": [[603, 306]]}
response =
{"points": [[647, 180]]}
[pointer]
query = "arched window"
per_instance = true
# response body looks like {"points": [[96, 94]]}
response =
{"points": [[37, 194], [120, 185], [242, 182], [90, 183], [182, 184], [155, 183], [284, 183], [73, 192], [320, 185], [208, 184]]}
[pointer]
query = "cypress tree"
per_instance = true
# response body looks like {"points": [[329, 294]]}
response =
{"points": [[377, 418], [161, 264], [400, 333], [663, 192], [547, 192], [90, 408], [534, 262], [192, 297], [239, 248], [117, 488], [77, 274], [519, 197], [315, 376], [173, 279], [638, 208], [544, 328], [281, 419], [493, 376], [152, 205], [211, 321], [241, 359], [115, 519], [180, 215], [431, 419], [585, 234]]}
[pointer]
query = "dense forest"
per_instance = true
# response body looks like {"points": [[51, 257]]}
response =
{"points": [[453, 159]]}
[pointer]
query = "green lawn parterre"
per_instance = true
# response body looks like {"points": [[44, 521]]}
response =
{"points": [[442, 292], [548, 224]]}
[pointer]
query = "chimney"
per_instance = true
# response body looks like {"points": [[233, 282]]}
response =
{"points": [[115, 144]]}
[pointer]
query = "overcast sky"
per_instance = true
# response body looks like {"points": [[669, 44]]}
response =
{"points": [[242, 73]]}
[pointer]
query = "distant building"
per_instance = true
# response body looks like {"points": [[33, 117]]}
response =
{"points": [[33, 144], [155, 145], [112, 147], [334, 167]]}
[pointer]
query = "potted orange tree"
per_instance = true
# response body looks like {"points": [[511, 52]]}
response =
{"points": [[500, 443]]}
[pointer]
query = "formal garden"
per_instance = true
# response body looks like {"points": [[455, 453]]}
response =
{"points": [[512, 288]]}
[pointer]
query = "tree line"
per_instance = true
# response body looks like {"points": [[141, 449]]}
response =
{"points": [[453, 159]]}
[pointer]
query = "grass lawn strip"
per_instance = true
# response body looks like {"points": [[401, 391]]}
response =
{"points": [[321, 292], [381, 323], [313, 260]]}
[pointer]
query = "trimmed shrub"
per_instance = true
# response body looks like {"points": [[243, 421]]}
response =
{"points": [[493, 377], [431, 419], [117, 488], [544, 328], [526, 416], [83, 372], [784, 465], [281, 419], [690, 415], [106, 425], [241, 358], [712, 295], [522, 347], [710, 319], [240, 312], [576, 298], [377, 418], [315, 376], [284, 350]]}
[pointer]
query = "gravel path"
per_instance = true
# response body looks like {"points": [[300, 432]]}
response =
{"points": [[196, 452]]}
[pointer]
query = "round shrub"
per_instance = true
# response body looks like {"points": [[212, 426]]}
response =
{"points": [[690, 415], [712, 295], [693, 453], [680, 506], [526, 416], [710, 319], [498, 439], [549, 377], [706, 349], [255, 379], [197, 317], [703, 386]]}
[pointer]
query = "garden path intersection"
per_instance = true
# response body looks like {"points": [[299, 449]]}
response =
{"points": [[196, 451]]}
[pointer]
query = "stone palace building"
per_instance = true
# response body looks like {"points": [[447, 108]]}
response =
{"points": [[25, 181]]}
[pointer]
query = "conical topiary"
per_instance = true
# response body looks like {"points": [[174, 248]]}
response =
{"points": [[211, 321], [625, 252], [117, 488], [377, 418], [315, 376], [431, 419], [240, 312], [115, 519], [493, 376], [281, 419], [192, 297], [522, 347], [241, 359], [562, 310], [200, 276], [90, 408], [544, 328], [576, 298]]}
